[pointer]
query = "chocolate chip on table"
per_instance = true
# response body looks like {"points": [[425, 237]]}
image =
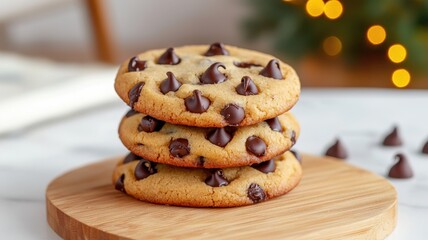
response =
{"points": [[233, 114], [131, 113], [256, 146], [265, 167], [246, 64], [131, 157], [247, 87], [337, 150], [216, 179], [272, 70], [169, 84], [212, 75], [401, 168], [144, 169], [216, 49], [120, 183], [256, 193], [197, 103], [136, 65], [179, 147], [150, 124], [297, 155], [274, 124], [425, 148], [169, 57], [134, 93], [393, 138]]}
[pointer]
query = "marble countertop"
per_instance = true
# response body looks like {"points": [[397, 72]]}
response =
{"points": [[30, 158]]}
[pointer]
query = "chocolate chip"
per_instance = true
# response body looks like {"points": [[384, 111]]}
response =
{"points": [[256, 193], [233, 114], [134, 93], [274, 124], [425, 148], [337, 150], [246, 64], [393, 138], [197, 103], [131, 113], [212, 75], [136, 65], [272, 70], [144, 169], [201, 162], [256, 146], [401, 168], [216, 49], [120, 183], [265, 167], [219, 137], [169, 57], [131, 157], [170, 84], [293, 137], [297, 155], [150, 124], [247, 87], [179, 147], [216, 179]]}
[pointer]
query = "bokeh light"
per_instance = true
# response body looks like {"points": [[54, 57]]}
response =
{"points": [[401, 78], [376, 34], [397, 53], [332, 46], [315, 7], [333, 9]]}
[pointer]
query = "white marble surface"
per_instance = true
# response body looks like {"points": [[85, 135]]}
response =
{"points": [[32, 157]]}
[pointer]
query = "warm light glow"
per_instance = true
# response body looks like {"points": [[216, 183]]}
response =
{"points": [[397, 53], [376, 34], [315, 7], [333, 9], [332, 46], [401, 78]]}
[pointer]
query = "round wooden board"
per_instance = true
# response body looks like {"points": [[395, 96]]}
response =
{"points": [[333, 201]]}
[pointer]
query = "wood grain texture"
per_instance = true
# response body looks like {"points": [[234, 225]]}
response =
{"points": [[334, 201]]}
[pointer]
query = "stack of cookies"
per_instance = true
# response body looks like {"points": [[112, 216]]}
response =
{"points": [[208, 127]]}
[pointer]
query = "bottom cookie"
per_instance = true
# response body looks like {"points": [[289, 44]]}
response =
{"points": [[228, 187]]}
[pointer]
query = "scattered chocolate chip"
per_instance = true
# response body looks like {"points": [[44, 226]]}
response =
{"points": [[169, 57], [272, 70], [393, 138], [265, 167], [256, 193], [256, 146], [150, 124], [216, 179], [170, 84], [219, 137], [136, 65], [131, 157], [197, 103], [293, 137], [274, 124], [246, 64], [134, 93], [401, 168], [233, 114], [425, 148], [212, 75], [179, 147], [201, 162], [120, 183], [247, 87], [297, 155], [216, 49], [337, 150], [144, 169]]}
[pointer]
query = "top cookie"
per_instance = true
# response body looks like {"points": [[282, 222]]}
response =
{"points": [[208, 86]]}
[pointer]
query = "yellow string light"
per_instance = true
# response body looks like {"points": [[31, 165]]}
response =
{"points": [[397, 53], [315, 7], [333, 9], [332, 46], [376, 34], [401, 78]]}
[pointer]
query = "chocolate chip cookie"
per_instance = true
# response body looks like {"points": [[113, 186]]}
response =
{"points": [[208, 86], [229, 187], [186, 146]]}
